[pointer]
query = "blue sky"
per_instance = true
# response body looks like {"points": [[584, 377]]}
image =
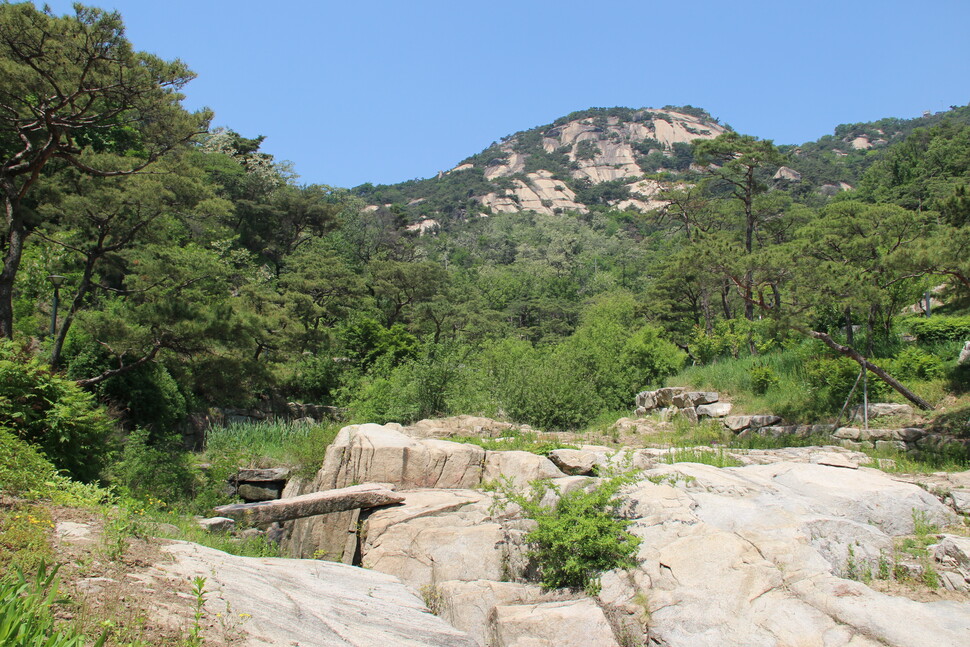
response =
{"points": [[382, 91]]}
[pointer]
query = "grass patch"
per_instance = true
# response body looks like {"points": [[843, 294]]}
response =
{"points": [[896, 462], [162, 522], [515, 441], [24, 537], [681, 433], [716, 457], [270, 444], [804, 382]]}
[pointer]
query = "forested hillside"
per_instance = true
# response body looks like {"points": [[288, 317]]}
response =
{"points": [[566, 268]]}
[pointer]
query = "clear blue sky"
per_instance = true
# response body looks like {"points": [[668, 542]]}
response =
{"points": [[384, 91]]}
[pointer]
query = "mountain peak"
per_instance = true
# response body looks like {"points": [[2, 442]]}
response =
{"points": [[553, 168]]}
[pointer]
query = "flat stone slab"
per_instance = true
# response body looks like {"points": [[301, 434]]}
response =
{"points": [[311, 602], [217, 524], [368, 495], [260, 491], [261, 475]]}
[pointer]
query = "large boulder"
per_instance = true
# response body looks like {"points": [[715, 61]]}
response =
{"points": [[690, 399], [308, 602], [570, 623], [520, 467], [380, 454], [440, 535], [468, 605], [664, 397], [375, 453], [714, 410], [740, 423], [458, 426], [881, 409], [745, 556], [576, 461]]}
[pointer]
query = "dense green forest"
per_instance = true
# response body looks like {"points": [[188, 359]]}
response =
{"points": [[195, 271]]}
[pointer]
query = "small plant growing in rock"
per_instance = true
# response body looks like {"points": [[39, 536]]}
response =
{"points": [[578, 538], [432, 598], [198, 607]]}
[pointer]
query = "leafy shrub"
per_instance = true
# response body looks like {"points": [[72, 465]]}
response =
{"points": [[831, 380], [54, 414], [586, 150], [934, 330], [366, 341], [22, 468], [160, 468], [27, 474], [420, 388], [317, 378], [551, 389], [917, 364], [762, 379], [729, 338], [580, 537]]}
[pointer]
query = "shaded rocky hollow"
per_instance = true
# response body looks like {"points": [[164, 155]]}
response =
{"points": [[754, 555]]}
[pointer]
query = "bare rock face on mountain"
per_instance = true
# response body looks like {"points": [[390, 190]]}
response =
{"points": [[544, 169], [539, 192]]}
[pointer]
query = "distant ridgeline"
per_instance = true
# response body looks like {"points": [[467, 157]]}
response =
{"points": [[619, 159]]}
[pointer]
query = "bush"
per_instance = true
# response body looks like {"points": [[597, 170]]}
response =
{"points": [[22, 468], [917, 364], [160, 468], [762, 379], [831, 380], [317, 378], [147, 395], [937, 329], [53, 414], [580, 537], [420, 388], [729, 338]]}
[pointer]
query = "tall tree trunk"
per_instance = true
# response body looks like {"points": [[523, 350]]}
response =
{"points": [[862, 361], [13, 250], [82, 290], [849, 333], [725, 291], [749, 222], [708, 316]]}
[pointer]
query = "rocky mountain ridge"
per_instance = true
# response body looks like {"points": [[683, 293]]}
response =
{"points": [[620, 158], [552, 168]]}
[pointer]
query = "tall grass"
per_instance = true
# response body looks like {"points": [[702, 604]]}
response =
{"points": [[716, 457], [27, 612], [789, 396], [262, 444], [515, 441]]}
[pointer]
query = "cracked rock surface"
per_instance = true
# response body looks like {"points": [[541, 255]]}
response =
{"points": [[758, 555]]}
